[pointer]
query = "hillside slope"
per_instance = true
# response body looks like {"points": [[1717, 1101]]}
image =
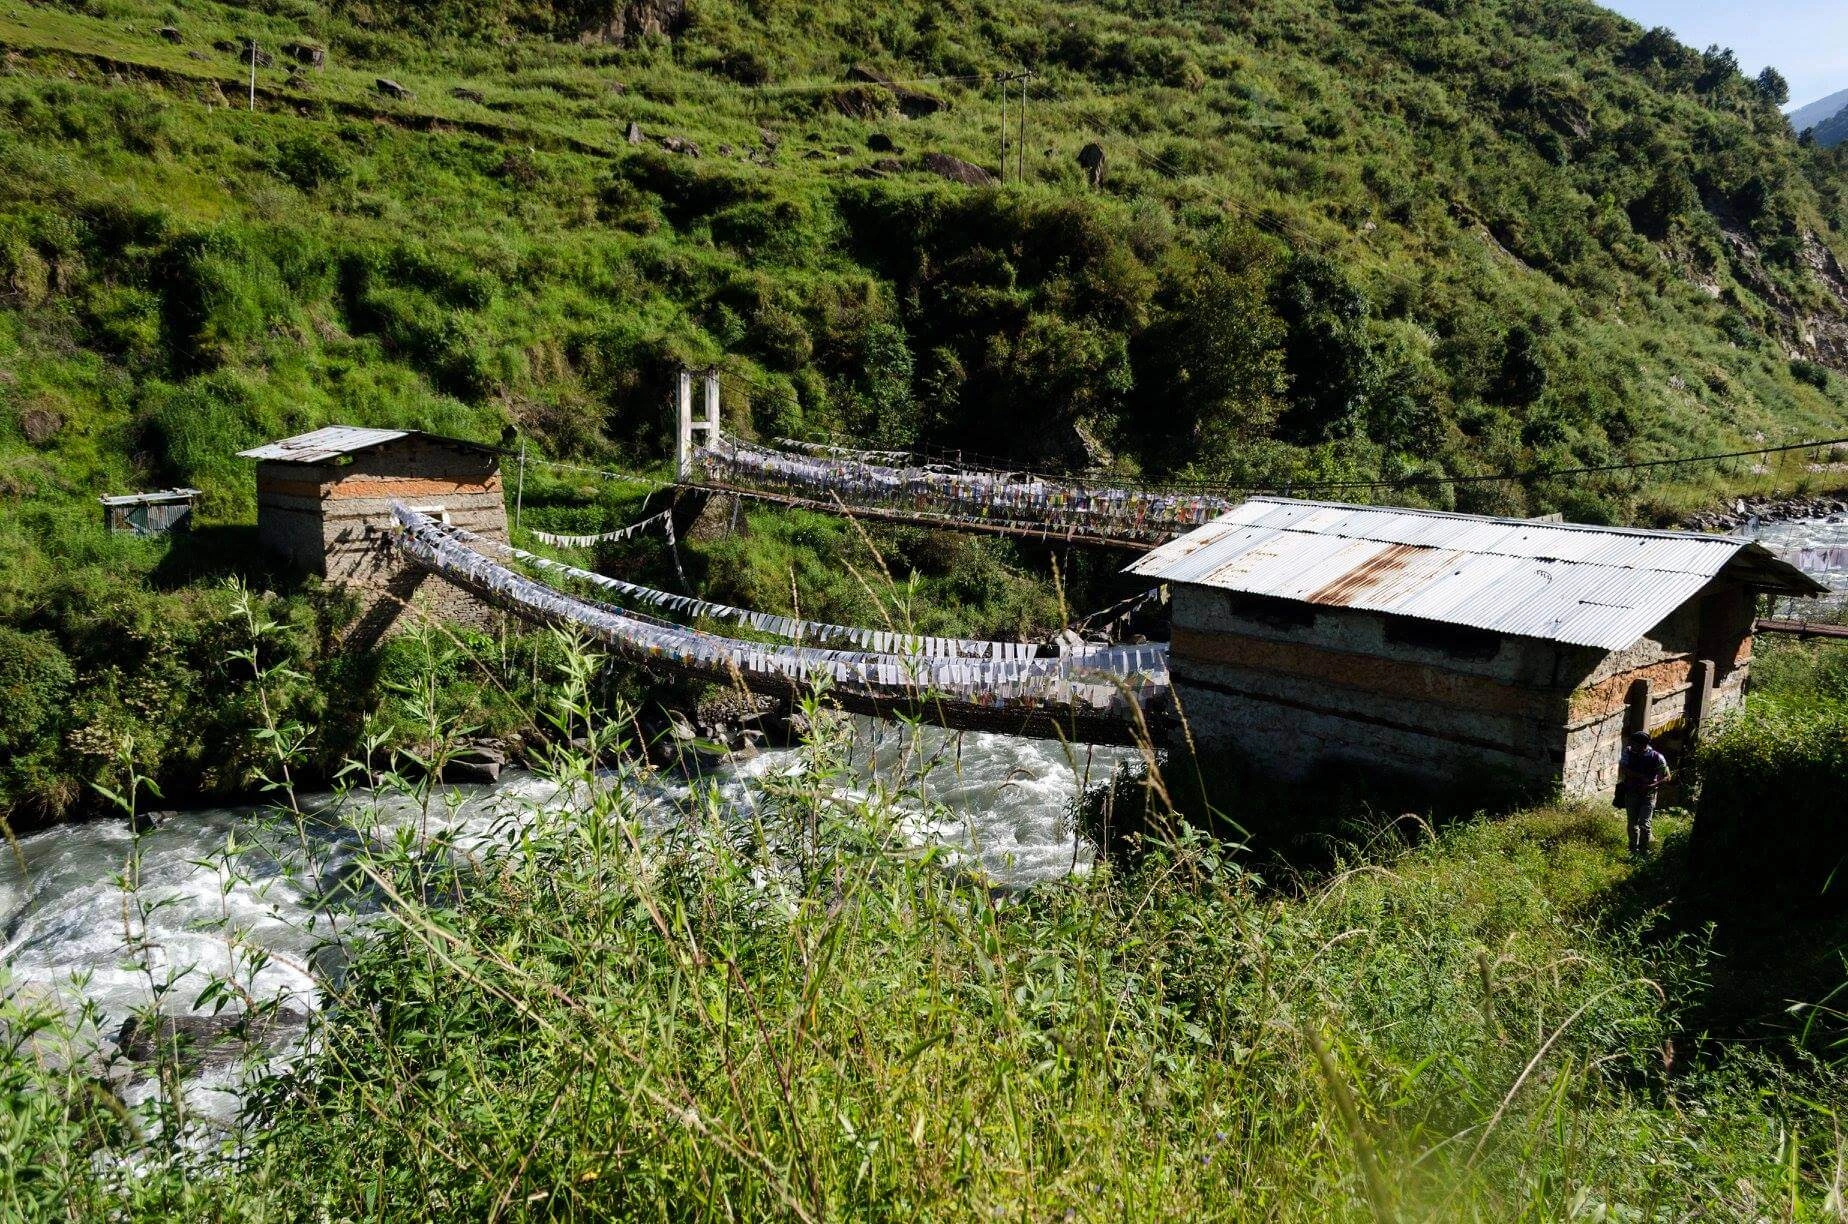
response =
{"points": [[1381, 240], [1820, 111], [1408, 238], [1832, 132]]}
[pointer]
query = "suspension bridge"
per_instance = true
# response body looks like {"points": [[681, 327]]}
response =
{"points": [[1090, 694]]}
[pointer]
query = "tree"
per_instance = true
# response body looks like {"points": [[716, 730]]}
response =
{"points": [[1718, 65], [1772, 86], [1226, 363], [1523, 372], [1327, 352], [1669, 196]]}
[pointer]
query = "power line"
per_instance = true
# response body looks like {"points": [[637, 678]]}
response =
{"points": [[992, 466]]}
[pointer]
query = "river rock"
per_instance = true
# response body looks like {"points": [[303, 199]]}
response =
{"points": [[1766, 510], [204, 1041]]}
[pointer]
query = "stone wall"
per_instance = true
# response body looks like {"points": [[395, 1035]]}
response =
{"points": [[1295, 686], [1717, 628], [334, 520], [1298, 687]]}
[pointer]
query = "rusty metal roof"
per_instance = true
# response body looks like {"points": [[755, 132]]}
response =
{"points": [[1588, 586], [323, 444]]}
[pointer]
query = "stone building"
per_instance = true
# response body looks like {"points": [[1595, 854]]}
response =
{"points": [[1454, 646], [324, 505]]}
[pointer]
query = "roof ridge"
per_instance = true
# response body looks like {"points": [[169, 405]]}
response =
{"points": [[1655, 533]]}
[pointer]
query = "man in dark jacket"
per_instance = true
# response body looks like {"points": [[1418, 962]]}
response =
{"points": [[1641, 771]]}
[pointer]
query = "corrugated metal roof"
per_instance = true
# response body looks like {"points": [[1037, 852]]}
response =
{"points": [[323, 444], [1588, 586], [145, 499]]}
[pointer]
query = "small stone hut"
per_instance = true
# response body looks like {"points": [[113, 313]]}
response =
{"points": [[324, 504], [1454, 646]]}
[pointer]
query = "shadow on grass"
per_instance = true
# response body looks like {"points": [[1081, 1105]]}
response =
{"points": [[214, 553], [1774, 954], [1293, 830]]}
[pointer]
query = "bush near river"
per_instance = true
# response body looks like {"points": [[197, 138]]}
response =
{"points": [[807, 1015]]}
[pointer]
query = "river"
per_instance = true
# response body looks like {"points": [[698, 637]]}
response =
{"points": [[71, 934]]}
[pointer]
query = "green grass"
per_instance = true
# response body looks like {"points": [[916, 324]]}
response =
{"points": [[805, 1016]]}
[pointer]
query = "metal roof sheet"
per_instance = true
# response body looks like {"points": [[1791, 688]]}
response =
{"points": [[157, 497], [1589, 586], [323, 444]]}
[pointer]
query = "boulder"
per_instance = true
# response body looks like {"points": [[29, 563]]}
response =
{"points": [[678, 144], [306, 54], [634, 136], [481, 772], [957, 170], [863, 103], [392, 89], [171, 34], [205, 1041], [463, 93], [879, 142], [625, 24], [912, 103], [264, 58]]}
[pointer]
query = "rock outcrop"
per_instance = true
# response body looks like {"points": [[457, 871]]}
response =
{"points": [[911, 103], [624, 24], [957, 170]]}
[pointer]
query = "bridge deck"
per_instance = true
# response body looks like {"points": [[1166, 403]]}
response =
{"points": [[1067, 699], [921, 518]]}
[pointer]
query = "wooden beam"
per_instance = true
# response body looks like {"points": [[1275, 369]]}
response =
{"points": [[1802, 629]]}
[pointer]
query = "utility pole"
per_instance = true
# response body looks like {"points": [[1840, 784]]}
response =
{"points": [[1021, 178], [1004, 130], [519, 489], [253, 75]]}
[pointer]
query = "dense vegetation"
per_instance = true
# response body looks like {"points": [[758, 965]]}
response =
{"points": [[806, 1015], [1381, 240]]}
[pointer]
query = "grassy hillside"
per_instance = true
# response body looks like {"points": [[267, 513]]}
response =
{"points": [[1377, 240]]}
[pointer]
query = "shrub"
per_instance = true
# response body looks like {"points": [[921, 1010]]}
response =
{"points": [[1773, 814], [35, 688], [1809, 372]]}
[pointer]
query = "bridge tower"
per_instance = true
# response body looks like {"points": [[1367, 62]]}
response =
{"points": [[709, 427]]}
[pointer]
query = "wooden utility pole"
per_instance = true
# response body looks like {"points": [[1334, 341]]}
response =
{"points": [[519, 489], [1004, 130], [1021, 152]]}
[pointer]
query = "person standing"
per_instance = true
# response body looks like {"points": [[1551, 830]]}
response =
{"points": [[1641, 771]]}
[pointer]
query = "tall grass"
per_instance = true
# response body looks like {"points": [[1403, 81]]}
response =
{"points": [[801, 1011]]}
